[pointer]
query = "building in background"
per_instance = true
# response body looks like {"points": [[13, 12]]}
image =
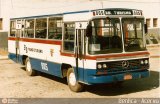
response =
{"points": [[23, 8]]}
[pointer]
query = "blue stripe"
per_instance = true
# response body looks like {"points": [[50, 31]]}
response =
{"points": [[85, 11], [15, 58], [114, 78], [39, 16], [53, 68], [49, 15]]}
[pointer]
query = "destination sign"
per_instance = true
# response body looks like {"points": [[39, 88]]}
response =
{"points": [[117, 12]]}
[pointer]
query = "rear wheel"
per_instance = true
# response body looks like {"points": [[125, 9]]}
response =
{"points": [[73, 84], [28, 67]]}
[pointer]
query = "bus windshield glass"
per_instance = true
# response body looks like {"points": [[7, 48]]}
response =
{"points": [[106, 36], [133, 34]]}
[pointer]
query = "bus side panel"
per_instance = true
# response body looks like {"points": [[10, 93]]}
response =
{"points": [[46, 67], [12, 50], [14, 57], [89, 69]]}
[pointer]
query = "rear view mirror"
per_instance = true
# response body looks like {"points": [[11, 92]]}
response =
{"points": [[89, 30], [145, 28]]}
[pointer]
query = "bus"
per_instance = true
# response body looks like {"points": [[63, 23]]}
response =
{"points": [[86, 47]]}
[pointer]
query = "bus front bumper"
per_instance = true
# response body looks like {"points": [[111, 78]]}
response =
{"points": [[116, 77]]}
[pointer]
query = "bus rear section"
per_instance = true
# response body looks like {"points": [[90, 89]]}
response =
{"points": [[98, 46]]}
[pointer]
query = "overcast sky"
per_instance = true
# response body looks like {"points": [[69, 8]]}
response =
{"points": [[18, 8]]}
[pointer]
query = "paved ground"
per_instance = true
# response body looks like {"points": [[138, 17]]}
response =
{"points": [[14, 83]]}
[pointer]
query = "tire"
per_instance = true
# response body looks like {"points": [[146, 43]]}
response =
{"points": [[118, 84], [73, 84], [28, 67]]}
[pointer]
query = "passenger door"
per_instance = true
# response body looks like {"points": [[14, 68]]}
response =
{"points": [[80, 48], [18, 34]]}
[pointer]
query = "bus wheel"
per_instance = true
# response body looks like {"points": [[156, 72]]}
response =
{"points": [[73, 84], [118, 84], [28, 67]]}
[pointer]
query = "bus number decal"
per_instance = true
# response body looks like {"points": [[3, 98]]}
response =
{"points": [[44, 66]]}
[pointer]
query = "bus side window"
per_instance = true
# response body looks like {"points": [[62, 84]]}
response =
{"points": [[69, 35], [55, 28], [12, 28], [41, 28], [29, 28]]}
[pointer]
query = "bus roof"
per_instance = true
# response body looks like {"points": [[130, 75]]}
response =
{"points": [[95, 12]]}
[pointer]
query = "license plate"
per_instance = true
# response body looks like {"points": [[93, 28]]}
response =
{"points": [[127, 77]]}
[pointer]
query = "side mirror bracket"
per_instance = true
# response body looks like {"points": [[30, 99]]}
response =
{"points": [[89, 30]]}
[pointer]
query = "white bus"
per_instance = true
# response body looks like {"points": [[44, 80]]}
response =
{"points": [[88, 47]]}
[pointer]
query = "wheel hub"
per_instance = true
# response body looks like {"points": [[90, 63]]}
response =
{"points": [[28, 66], [72, 79]]}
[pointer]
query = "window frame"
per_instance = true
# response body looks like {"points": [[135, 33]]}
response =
{"points": [[45, 29], [155, 22], [26, 29], [55, 27], [65, 40], [1, 23], [148, 22], [14, 27]]}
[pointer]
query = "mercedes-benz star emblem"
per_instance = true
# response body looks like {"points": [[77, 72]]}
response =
{"points": [[125, 64]]}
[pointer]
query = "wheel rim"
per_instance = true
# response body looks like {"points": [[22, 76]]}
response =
{"points": [[72, 79], [28, 66]]}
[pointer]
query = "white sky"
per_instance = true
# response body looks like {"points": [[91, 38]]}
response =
{"points": [[36, 7]]}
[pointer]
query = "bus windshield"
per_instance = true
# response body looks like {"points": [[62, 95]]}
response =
{"points": [[106, 36], [133, 34]]}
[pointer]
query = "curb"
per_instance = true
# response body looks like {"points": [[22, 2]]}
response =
{"points": [[153, 45], [154, 56], [3, 57]]}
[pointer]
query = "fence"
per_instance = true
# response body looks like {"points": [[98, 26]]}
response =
{"points": [[153, 36]]}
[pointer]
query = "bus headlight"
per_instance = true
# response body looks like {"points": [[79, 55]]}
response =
{"points": [[99, 66], [146, 61], [104, 66], [142, 62]]}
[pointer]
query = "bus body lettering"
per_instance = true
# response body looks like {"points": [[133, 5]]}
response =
{"points": [[44, 66]]}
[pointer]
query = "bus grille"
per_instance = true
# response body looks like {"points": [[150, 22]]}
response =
{"points": [[117, 67]]}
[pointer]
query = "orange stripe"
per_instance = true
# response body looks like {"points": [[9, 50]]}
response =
{"points": [[117, 55], [67, 54], [73, 55], [56, 42]]}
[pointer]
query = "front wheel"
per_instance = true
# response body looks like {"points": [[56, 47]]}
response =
{"points": [[73, 84], [28, 67]]}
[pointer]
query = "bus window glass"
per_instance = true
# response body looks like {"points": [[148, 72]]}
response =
{"points": [[29, 28], [55, 28], [22, 33], [133, 34], [41, 28], [69, 35], [106, 36], [13, 28]]}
